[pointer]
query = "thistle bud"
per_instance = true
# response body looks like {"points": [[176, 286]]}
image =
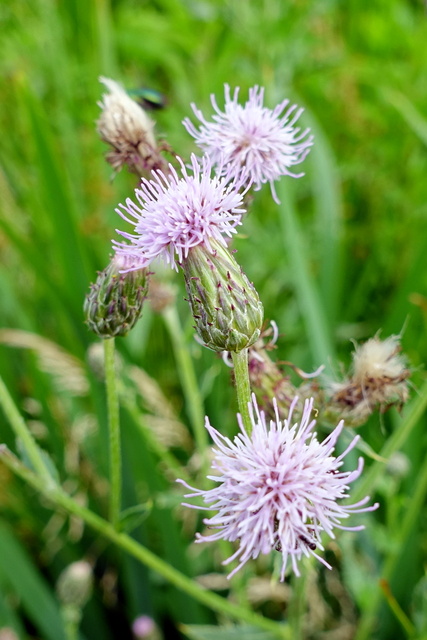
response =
{"points": [[145, 628], [114, 303], [225, 305], [75, 583]]}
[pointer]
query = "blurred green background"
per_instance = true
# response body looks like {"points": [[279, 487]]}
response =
{"points": [[343, 258]]}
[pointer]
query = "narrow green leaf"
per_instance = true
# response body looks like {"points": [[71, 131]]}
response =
{"points": [[307, 292], [208, 632], [16, 567], [131, 518], [408, 111], [67, 245], [329, 220]]}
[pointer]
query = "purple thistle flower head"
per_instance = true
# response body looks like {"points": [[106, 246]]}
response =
{"points": [[252, 142], [175, 213], [278, 488]]}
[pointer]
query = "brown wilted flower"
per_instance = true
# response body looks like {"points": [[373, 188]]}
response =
{"points": [[378, 379], [126, 127]]}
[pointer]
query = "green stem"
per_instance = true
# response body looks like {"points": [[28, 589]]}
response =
{"points": [[113, 431], [400, 615], [21, 430], [72, 617], [212, 600], [188, 378], [297, 604], [243, 387]]}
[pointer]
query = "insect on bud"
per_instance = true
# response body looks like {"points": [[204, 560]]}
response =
{"points": [[225, 305], [125, 126], [114, 304]]}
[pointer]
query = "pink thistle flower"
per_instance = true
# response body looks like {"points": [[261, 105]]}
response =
{"points": [[278, 488], [176, 213], [252, 142]]}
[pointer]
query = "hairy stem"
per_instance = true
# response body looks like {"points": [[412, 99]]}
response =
{"points": [[113, 431], [22, 432], [243, 388]]}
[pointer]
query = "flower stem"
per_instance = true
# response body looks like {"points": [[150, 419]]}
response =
{"points": [[113, 431], [298, 601], [21, 430], [243, 387], [217, 603]]}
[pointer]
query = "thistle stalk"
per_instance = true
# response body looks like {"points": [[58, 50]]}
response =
{"points": [[113, 431], [22, 432], [241, 378]]}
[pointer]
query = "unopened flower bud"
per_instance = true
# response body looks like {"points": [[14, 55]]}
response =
{"points": [[225, 305], [6, 633], [114, 303], [74, 586], [145, 628], [126, 127]]}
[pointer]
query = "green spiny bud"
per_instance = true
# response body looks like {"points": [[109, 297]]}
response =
{"points": [[114, 303], [225, 305], [74, 586]]}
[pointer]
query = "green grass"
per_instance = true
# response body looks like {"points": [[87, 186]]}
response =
{"points": [[342, 258]]}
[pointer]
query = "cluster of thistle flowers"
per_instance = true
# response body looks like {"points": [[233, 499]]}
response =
{"points": [[279, 488]]}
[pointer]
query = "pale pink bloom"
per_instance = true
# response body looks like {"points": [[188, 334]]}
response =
{"points": [[175, 213], [279, 488], [252, 142]]}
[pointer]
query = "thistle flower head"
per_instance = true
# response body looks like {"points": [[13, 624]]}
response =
{"points": [[252, 142], [175, 213], [278, 488]]}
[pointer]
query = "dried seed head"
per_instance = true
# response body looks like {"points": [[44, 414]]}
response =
{"points": [[225, 305], [379, 359], [126, 127], [379, 379]]}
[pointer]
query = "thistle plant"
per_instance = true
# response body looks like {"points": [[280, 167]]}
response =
{"points": [[281, 487]]}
